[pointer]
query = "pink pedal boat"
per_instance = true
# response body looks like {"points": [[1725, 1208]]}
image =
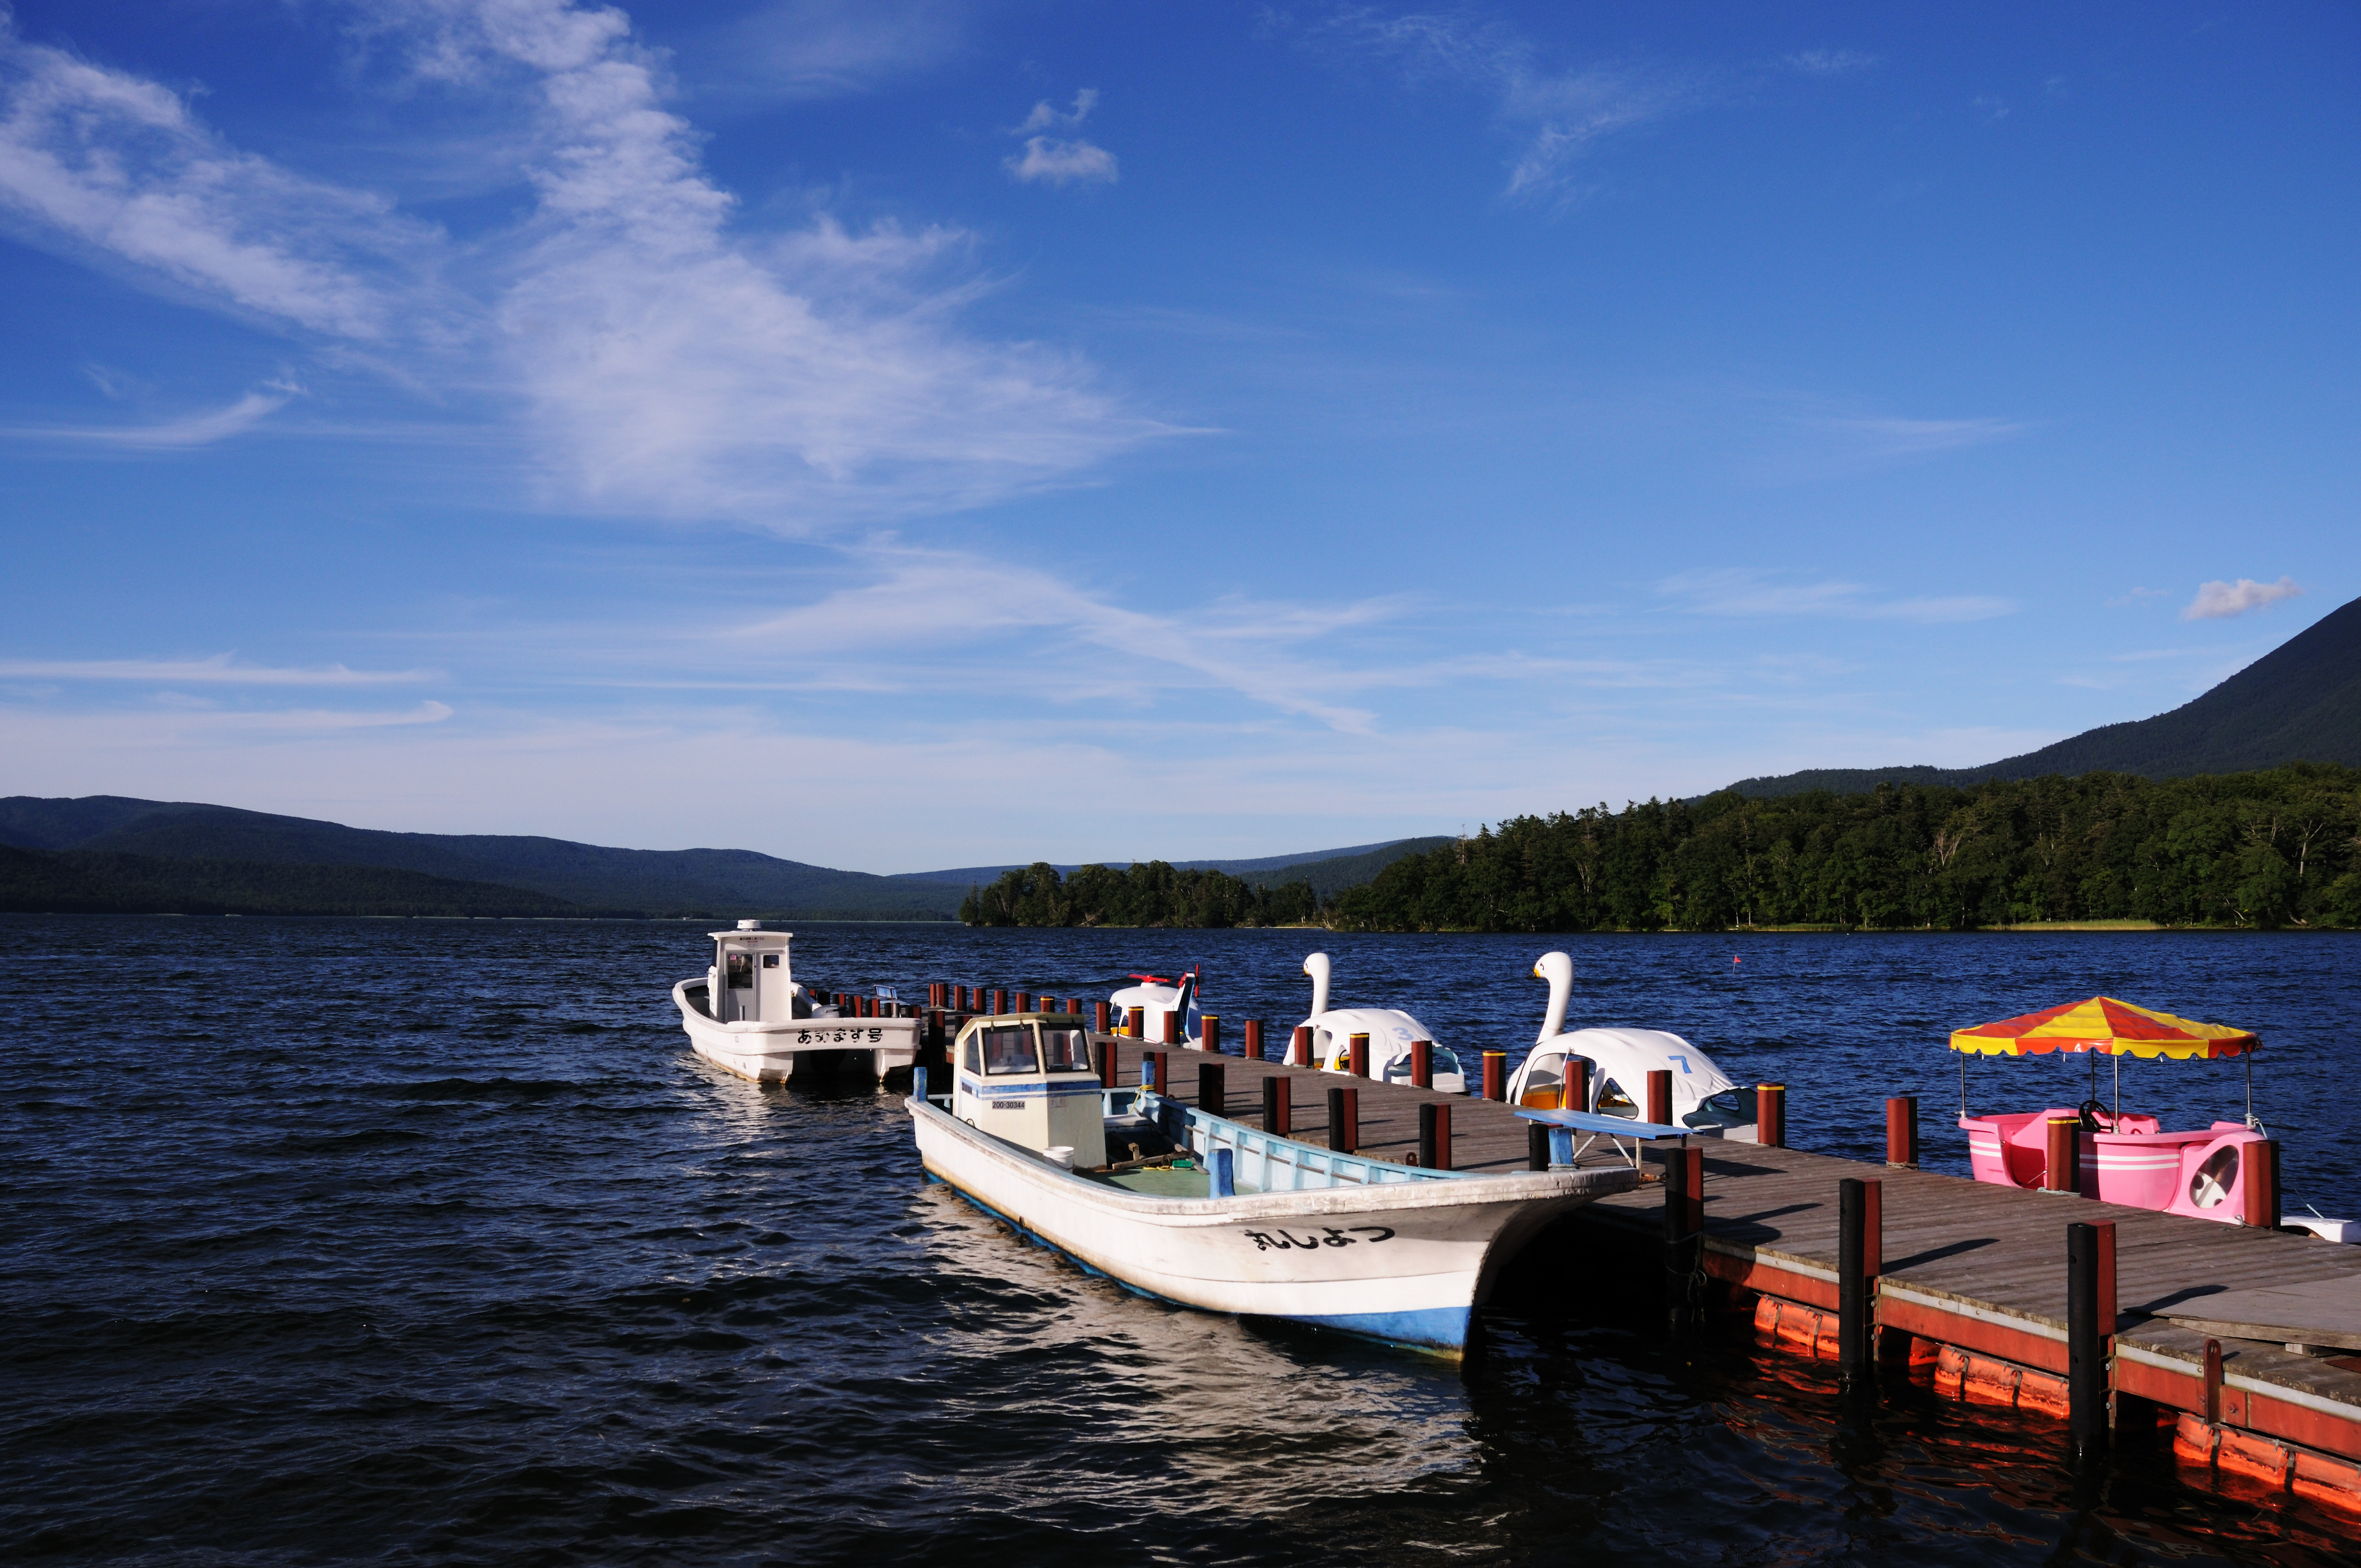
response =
{"points": [[2127, 1159]]}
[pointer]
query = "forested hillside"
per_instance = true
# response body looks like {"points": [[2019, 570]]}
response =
{"points": [[1148, 893], [2276, 849]]}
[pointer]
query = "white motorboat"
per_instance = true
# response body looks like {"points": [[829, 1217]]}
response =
{"points": [[1155, 996], [1391, 1034], [749, 1015], [1704, 1098], [1243, 1222]]}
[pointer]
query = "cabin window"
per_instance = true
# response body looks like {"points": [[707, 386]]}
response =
{"points": [[1009, 1051], [741, 969], [1613, 1102], [975, 1060], [1546, 1073], [1066, 1050], [770, 960]]}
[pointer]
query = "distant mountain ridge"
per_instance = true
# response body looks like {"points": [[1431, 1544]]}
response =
{"points": [[114, 852], [2298, 702]]}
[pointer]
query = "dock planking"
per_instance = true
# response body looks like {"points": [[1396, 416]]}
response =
{"points": [[1964, 1263]]}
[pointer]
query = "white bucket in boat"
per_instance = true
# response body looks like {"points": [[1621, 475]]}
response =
{"points": [[1060, 1155]]}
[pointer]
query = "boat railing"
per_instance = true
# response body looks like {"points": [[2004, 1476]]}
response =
{"points": [[1617, 1130], [1267, 1162]]}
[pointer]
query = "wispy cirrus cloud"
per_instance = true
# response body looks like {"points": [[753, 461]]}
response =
{"points": [[1747, 592], [2219, 600], [165, 435], [222, 669], [1557, 113], [1060, 160], [650, 353]]}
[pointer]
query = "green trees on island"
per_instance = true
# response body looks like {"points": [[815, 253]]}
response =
{"points": [[2275, 849], [1148, 893]]}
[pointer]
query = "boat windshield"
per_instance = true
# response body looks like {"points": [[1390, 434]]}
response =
{"points": [[1613, 1102], [1066, 1050], [1009, 1049], [1731, 1108]]}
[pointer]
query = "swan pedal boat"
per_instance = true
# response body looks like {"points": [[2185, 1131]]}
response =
{"points": [[766, 1026], [1263, 1226]]}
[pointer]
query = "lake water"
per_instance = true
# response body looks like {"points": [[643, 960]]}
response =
{"points": [[424, 1242]]}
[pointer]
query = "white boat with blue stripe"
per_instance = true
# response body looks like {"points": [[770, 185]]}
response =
{"points": [[1212, 1213]]}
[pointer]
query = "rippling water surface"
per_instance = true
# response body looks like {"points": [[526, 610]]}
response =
{"points": [[431, 1242]]}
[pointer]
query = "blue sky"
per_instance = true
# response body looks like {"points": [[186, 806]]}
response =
{"points": [[894, 435]]}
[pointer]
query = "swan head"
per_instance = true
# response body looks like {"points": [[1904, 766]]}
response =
{"points": [[1317, 966], [1558, 969]]}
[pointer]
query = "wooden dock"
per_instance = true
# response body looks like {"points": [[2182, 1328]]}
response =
{"points": [[1969, 1278]]}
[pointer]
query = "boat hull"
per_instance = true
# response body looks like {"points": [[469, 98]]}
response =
{"points": [[777, 1053], [1402, 1262]]}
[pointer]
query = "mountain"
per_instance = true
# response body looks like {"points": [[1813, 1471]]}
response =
{"points": [[2298, 702], [716, 883], [965, 877], [112, 854], [77, 882]]}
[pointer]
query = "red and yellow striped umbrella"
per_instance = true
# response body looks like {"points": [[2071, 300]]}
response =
{"points": [[2106, 1025]]}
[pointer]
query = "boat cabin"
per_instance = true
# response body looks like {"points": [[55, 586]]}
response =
{"points": [[1028, 1078], [1704, 1099], [750, 982]]}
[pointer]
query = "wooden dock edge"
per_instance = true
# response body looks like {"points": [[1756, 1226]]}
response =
{"points": [[2274, 1435]]}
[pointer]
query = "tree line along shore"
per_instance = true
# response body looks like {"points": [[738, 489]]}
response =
{"points": [[2280, 849]]}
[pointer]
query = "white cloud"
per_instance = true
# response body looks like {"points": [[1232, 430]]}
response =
{"points": [[660, 361], [2217, 600], [1056, 161], [1046, 117], [1061, 160], [102, 163], [1559, 114], [1747, 592], [1886, 436], [220, 669], [172, 435]]}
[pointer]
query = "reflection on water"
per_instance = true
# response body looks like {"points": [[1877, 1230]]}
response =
{"points": [[465, 1258]]}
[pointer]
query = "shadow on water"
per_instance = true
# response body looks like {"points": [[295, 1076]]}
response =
{"points": [[407, 1268]]}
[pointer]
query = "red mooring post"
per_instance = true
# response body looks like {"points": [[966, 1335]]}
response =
{"points": [[999, 1000], [1211, 1025], [1171, 1025], [2064, 1170], [1074, 1006], [1422, 1064], [1103, 1019], [1299, 1050], [1135, 1023], [2212, 1382], [1344, 1120], [1253, 1043], [1684, 1235], [1159, 1068], [1496, 1075], [1574, 1094], [1109, 1055], [1902, 1130], [1213, 1088], [1278, 1104], [1771, 1116], [1024, 1003], [1358, 1047], [1660, 1096], [2258, 1180]]}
